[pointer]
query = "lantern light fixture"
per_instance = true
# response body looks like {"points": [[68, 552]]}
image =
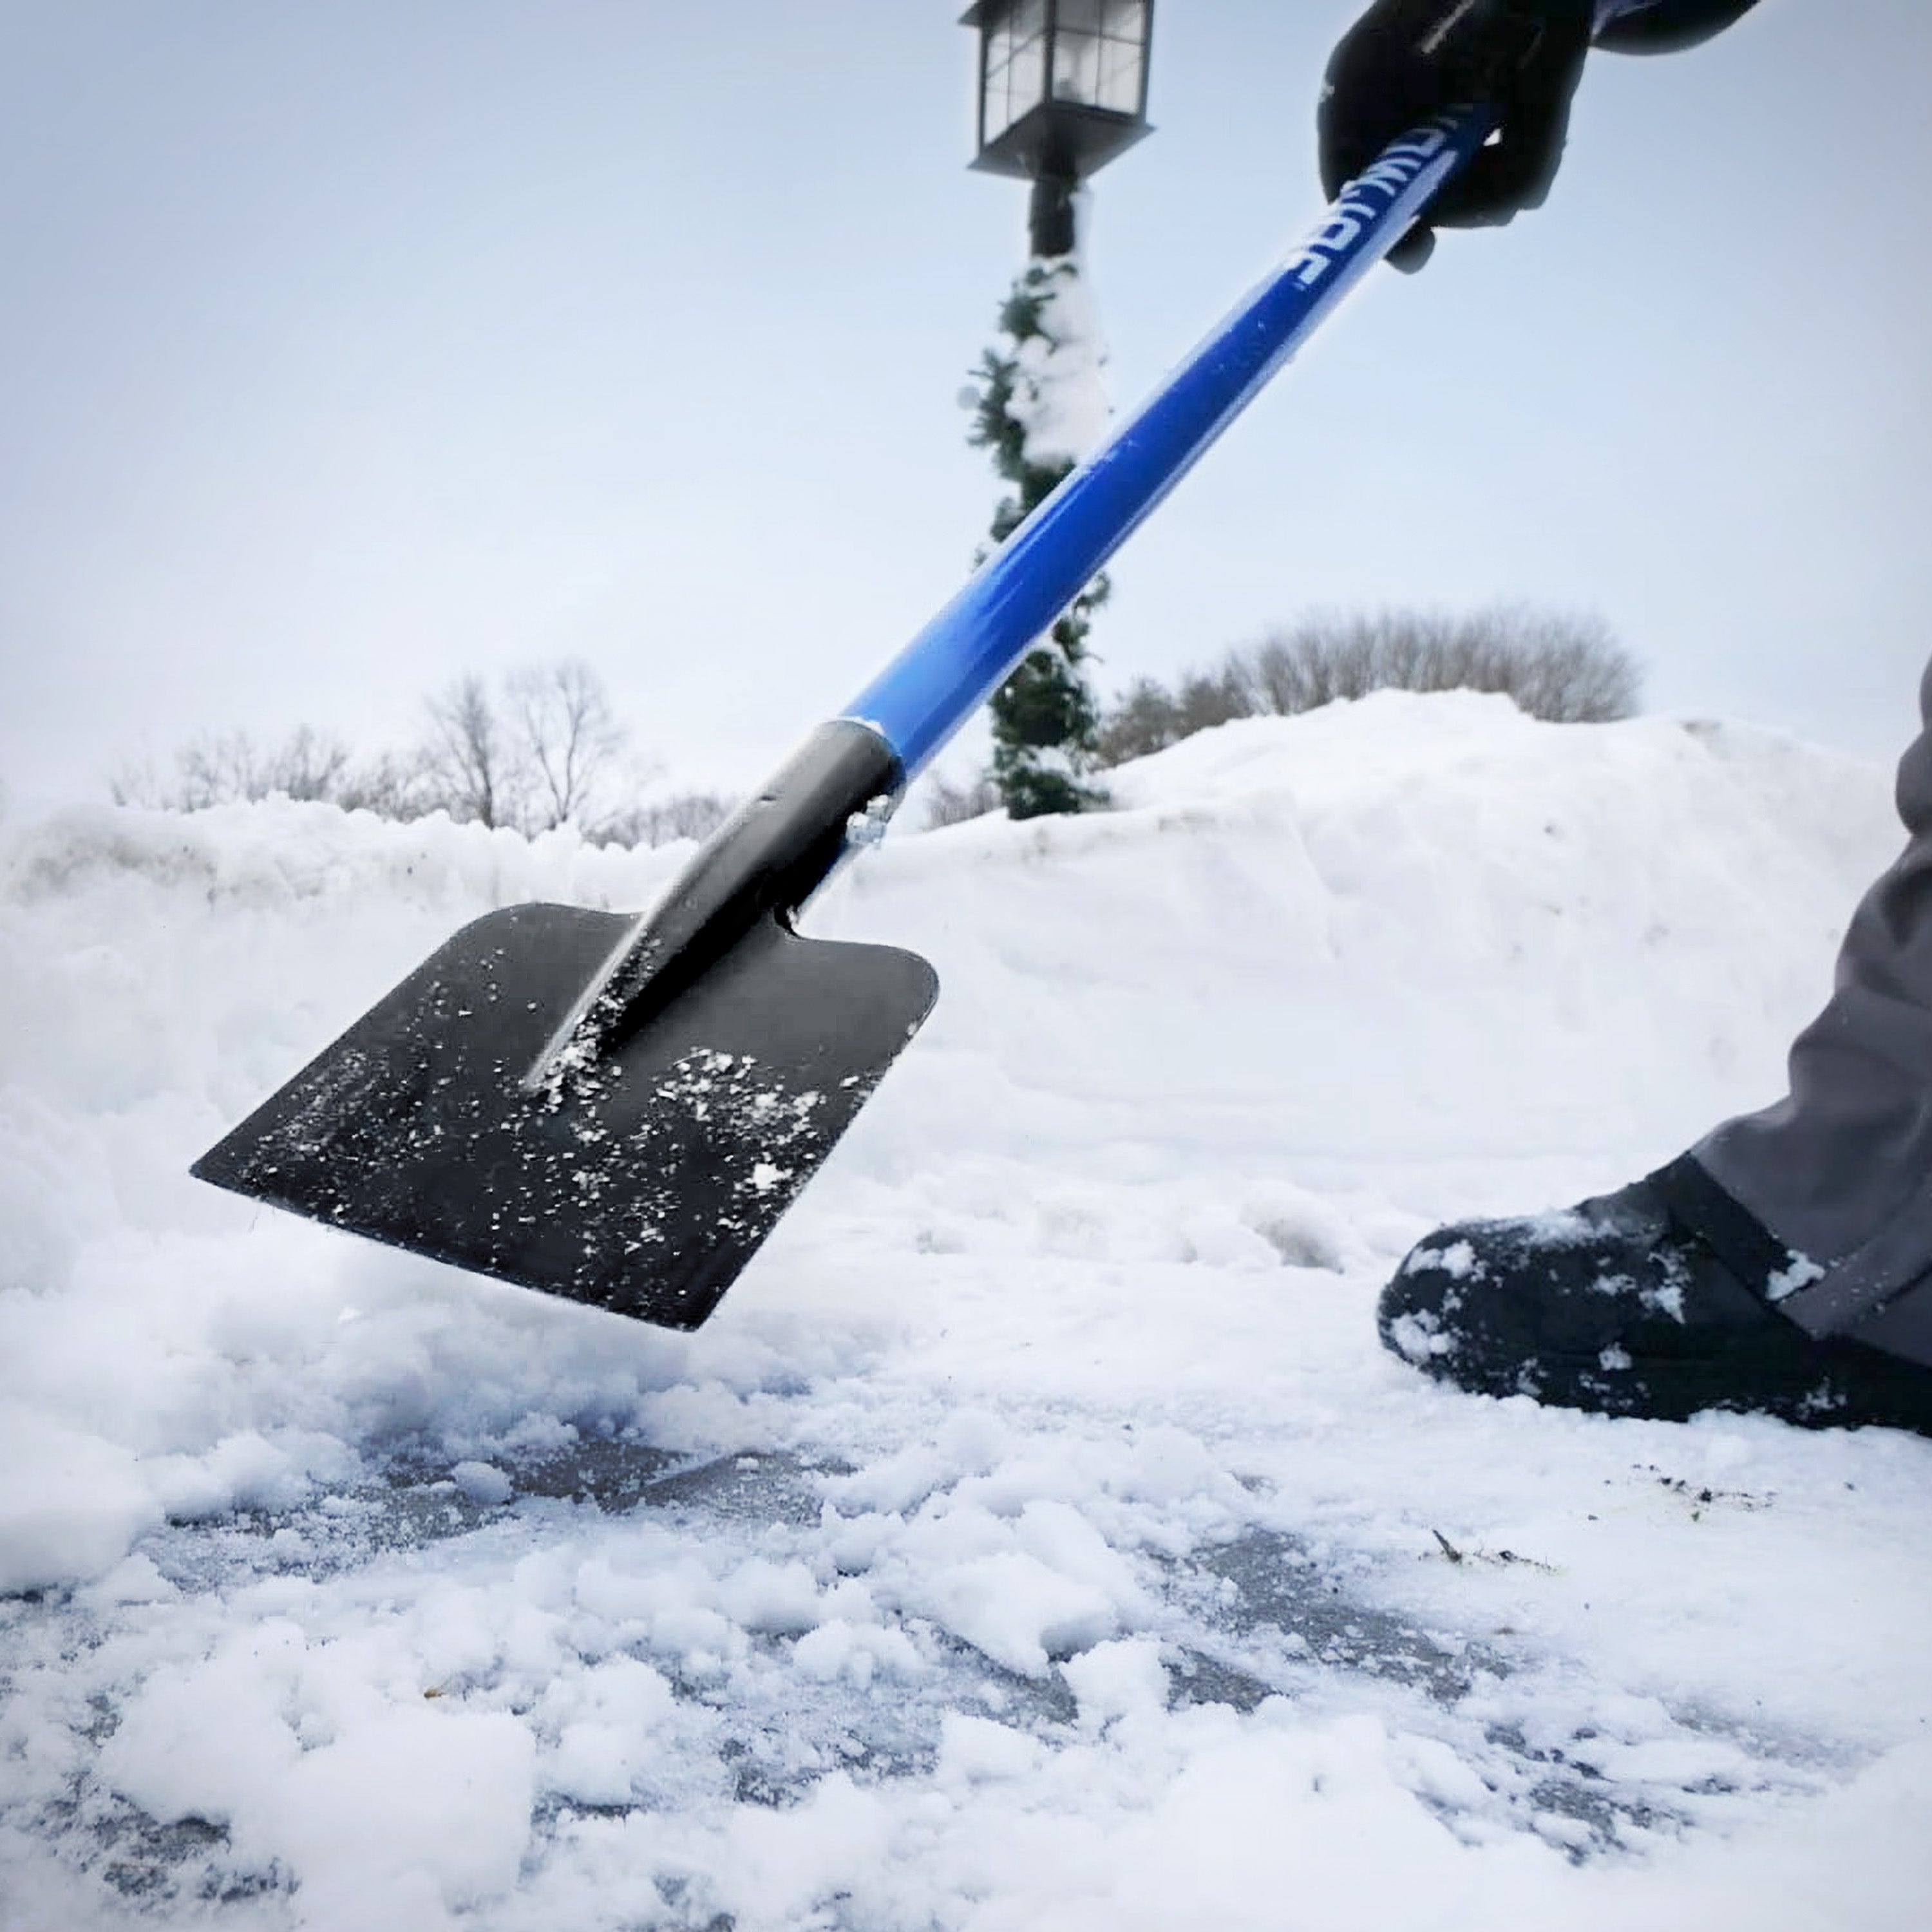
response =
{"points": [[1062, 90]]}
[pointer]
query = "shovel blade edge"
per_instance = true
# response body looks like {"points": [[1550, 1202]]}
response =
{"points": [[642, 1184]]}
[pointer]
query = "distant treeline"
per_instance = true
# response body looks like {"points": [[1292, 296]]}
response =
{"points": [[543, 749], [1568, 669]]}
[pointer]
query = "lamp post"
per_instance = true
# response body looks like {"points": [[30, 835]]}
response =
{"points": [[1063, 90]]}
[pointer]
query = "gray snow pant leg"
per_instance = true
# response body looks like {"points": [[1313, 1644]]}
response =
{"points": [[1841, 1169]]}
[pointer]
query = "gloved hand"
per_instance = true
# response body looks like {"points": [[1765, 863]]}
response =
{"points": [[1405, 60]]}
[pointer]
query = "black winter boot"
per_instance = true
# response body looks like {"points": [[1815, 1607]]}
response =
{"points": [[1621, 1305]]}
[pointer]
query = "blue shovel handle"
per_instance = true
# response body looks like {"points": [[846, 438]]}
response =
{"points": [[786, 839], [963, 655]]}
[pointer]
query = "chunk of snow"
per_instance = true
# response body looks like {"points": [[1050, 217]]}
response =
{"points": [[71, 1504]]}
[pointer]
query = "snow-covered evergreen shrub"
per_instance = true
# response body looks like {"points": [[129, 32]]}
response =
{"points": [[1039, 407]]}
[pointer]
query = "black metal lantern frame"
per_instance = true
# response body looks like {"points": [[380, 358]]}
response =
{"points": [[1063, 84]]}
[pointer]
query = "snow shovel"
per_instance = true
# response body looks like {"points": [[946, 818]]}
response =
{"points": [[618, 1109]]}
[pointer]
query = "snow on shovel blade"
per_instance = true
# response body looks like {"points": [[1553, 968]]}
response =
{"points": [[643, 1186]]}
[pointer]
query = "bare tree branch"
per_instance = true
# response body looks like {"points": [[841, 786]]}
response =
{"points": [[686, 814], [227, 768], [467, 756], [568, 739]]}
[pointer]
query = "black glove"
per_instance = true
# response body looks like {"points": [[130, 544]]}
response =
{"points": [[1405, 60], [1665, 25]]}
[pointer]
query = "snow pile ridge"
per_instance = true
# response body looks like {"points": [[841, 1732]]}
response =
{"points": [[279, 852]]}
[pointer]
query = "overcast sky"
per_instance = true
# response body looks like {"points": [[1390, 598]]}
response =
{"points": [[346, 348]]}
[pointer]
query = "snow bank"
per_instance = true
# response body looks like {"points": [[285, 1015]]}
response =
{"points": [[1037, 1535]]}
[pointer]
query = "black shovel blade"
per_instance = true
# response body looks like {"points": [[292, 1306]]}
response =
{"points": [[642, 1183]]}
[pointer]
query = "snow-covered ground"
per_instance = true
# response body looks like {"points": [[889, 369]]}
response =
{"points": [[1037, 1537]]}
